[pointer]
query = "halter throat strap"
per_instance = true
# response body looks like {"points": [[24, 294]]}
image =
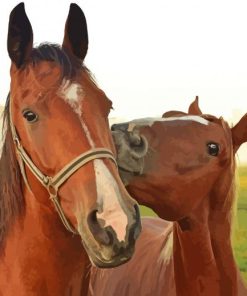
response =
{"points": [[52, 184]]}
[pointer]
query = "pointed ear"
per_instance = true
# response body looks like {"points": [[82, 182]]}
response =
{"points": [[75, 34], [239, 133], [194, 107], [20, 36]]}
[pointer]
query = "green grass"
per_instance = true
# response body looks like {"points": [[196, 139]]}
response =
{"points": [[145, 211], [240, 223]]}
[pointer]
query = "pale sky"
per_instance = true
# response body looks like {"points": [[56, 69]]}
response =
{"points": [[153, 56]]}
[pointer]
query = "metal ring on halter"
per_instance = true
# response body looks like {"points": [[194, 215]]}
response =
{"points": [[52, 190]]}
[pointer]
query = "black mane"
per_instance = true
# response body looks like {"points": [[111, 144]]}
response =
{"points": [[55, 53]]}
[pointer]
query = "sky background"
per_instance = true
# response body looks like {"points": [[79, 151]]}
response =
{"points": [[153, 56]]}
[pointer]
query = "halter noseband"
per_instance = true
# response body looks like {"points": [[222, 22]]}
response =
{"points": [[52, 184]]}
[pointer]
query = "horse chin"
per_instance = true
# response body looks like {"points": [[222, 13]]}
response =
{"points": [[101, 263], [106, 259], [105, 256]]}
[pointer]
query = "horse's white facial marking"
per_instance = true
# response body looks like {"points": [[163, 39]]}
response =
{"points": [[150, 121], [87, 133], [109, 197], [73, 94], [189, 117], [108, 194]]}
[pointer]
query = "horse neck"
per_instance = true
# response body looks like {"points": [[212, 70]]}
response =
{"points": [[203, 256], [56, 257]]}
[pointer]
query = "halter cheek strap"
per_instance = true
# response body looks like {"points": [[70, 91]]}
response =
{"points": [[52, 184]]}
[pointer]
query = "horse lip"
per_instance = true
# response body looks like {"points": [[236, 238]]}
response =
{"points": [[103, 263], [116, 261]]}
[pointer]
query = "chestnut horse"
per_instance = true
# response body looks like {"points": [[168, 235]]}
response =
{"points": [[186, 175], [61, 198]]}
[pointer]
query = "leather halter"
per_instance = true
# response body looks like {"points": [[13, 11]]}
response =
{"points": [[52, 184]]}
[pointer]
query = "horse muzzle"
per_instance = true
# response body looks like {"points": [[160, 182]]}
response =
{"points": [[103, 245], [131, 151]]}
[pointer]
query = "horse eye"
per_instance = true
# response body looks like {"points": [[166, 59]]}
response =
{"points": [[213, 149], [30, 116]]}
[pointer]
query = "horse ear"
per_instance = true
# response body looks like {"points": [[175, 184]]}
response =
{"points": [[194, 107], [75, 34], [20, 36], [239, 133]]}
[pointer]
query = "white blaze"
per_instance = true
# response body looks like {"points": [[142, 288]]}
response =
{"points": [[108, 194], [73, 94], [151, 120]]}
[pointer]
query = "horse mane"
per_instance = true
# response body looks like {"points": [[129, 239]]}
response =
{"points": [[12, 203], [55, 53], [69, 63]]}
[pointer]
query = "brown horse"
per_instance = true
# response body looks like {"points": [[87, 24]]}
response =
{"points": [[61, 198], [186, 176]]}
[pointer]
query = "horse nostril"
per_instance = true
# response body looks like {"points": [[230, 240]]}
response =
{"points": [[110, 236], [136, 141], [138, 145], [100, 234]]}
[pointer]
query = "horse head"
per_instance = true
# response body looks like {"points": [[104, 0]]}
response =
{"points": [[166, 155], [57, 116]]}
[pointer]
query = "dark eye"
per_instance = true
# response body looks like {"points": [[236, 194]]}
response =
{"points": [[213, 149], [30, 116]]}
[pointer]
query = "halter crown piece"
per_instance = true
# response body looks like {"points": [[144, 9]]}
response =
{"points": [[52, 184]]}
